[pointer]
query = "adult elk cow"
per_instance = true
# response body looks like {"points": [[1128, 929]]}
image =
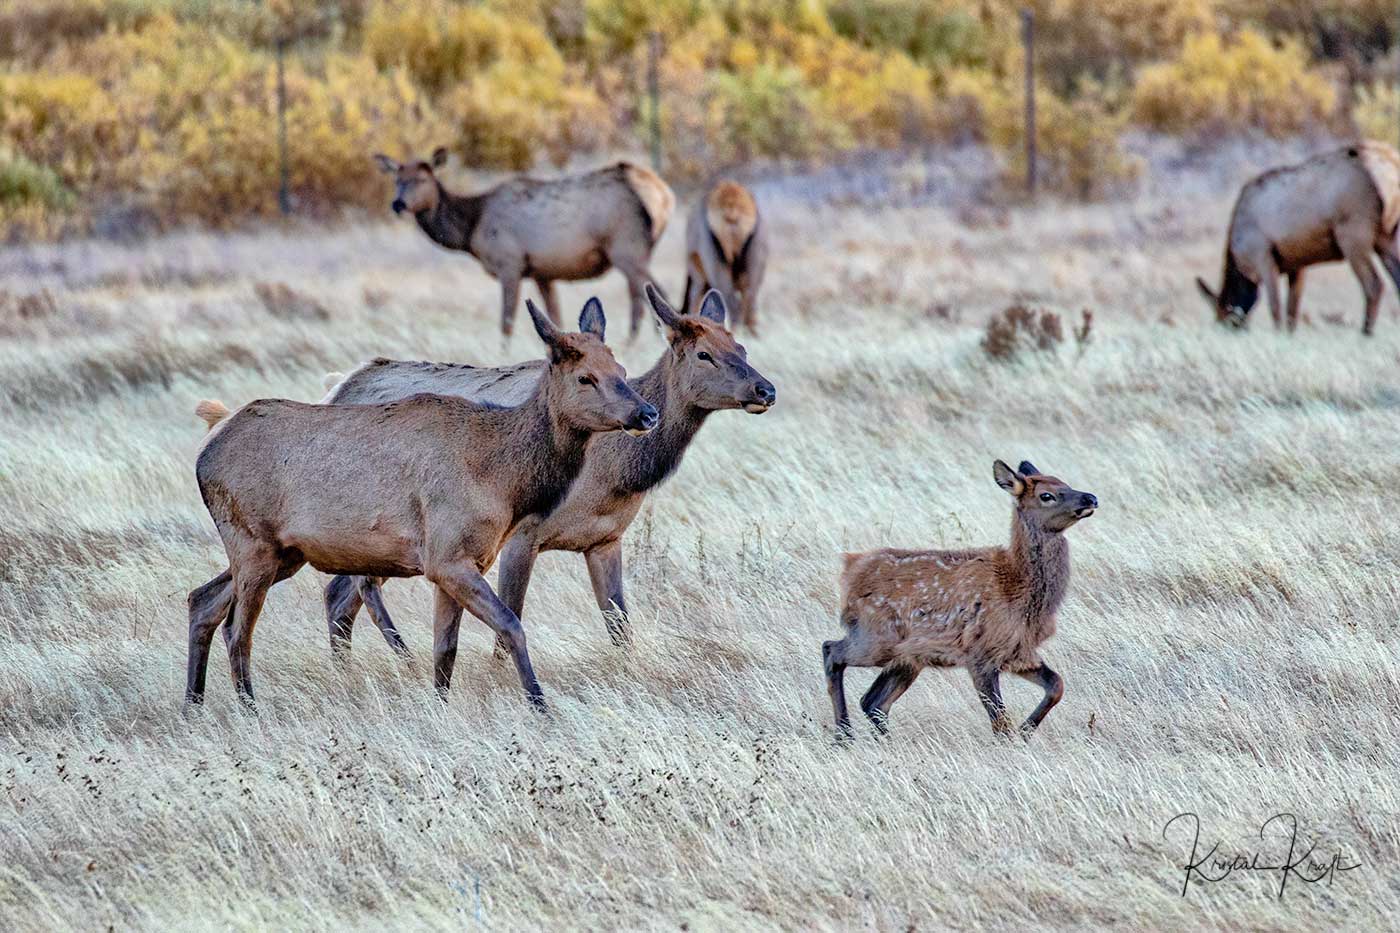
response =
{"points": [[702, 371], [571, 228], [1342, 204], [726, 248], [431, 484]]}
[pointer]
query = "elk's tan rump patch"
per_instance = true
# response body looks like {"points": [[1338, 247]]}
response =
{"points": [[732, 215], [656, 196], [1382, 163]]}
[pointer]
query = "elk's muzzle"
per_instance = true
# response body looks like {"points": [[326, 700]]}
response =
{"points": [[764, 395], [398, 206], [643, 420]]}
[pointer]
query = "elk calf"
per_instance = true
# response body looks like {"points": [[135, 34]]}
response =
{"points": [[726, 248], [987, 610]]}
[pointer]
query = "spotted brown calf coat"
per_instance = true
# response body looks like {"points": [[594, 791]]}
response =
{"points": [[987, 610]]}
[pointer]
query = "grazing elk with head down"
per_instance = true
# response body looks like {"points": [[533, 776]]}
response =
{"points": [[1343, 204], [726, 248], [987, 610], [702, 371], [431, 484], [571, 228]]}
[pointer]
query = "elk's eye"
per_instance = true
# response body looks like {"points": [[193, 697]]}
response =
{"points": [[587, 381], [1047, 497], [705, 356]]}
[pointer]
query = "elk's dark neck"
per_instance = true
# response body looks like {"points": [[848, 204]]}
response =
{"points": [[453, 221], [542, 450], [1236, 288], [1042, 560], [637, 464]]}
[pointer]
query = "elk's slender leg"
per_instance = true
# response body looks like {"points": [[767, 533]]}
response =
{"points": [[750, 313], [471, 591], [372, 592], [447, 618], [516, 562], [1271, 275], [208, 606], [551, 300], [1370, 284], [634, 269], [1054, 687], [887, 688], [1295, 295], [605, 572], [1391, 260], [687, 295], [255, 577], [510, 297], [987, 682], [834, 660], [342, 600]]}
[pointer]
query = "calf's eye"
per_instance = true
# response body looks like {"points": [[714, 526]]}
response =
{"points": [[587, 381], [1046, 497], [705, 356]]}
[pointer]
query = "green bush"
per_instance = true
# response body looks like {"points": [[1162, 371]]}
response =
{"points": [[25, 182]]}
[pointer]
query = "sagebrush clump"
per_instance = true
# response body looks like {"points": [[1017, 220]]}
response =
{"points": [[1019, 329]]}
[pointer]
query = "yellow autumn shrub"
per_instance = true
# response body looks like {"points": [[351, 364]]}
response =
{"points": [[1216, 85], [1376, 112]]}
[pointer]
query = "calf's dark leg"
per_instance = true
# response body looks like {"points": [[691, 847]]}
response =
{"points": [[887, 688], [1054, 687]]}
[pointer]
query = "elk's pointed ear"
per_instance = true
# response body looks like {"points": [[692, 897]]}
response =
{"points": [[663, 309], [439, 157], [1027, 469], [543, 326], [1008, 478], [712, 307], [1205, 290], [591, 320], [385, 163]]}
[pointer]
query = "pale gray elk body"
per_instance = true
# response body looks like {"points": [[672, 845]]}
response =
{"points": [[703, 370], [726, 248], [576, 227], [432, 485], [987, 610], [1338, 205]]}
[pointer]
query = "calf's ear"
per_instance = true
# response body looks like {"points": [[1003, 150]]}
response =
{"points": [[1027, 469], [439, 158], [385, 163]]}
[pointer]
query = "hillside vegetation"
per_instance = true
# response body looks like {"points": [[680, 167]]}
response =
{"points": [[122, 113]]}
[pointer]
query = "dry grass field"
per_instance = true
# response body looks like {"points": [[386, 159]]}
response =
{"points": [[1230, 643]]}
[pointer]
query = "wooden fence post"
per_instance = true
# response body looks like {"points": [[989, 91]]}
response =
{"points": [[1028, 39], [654, 94]]}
